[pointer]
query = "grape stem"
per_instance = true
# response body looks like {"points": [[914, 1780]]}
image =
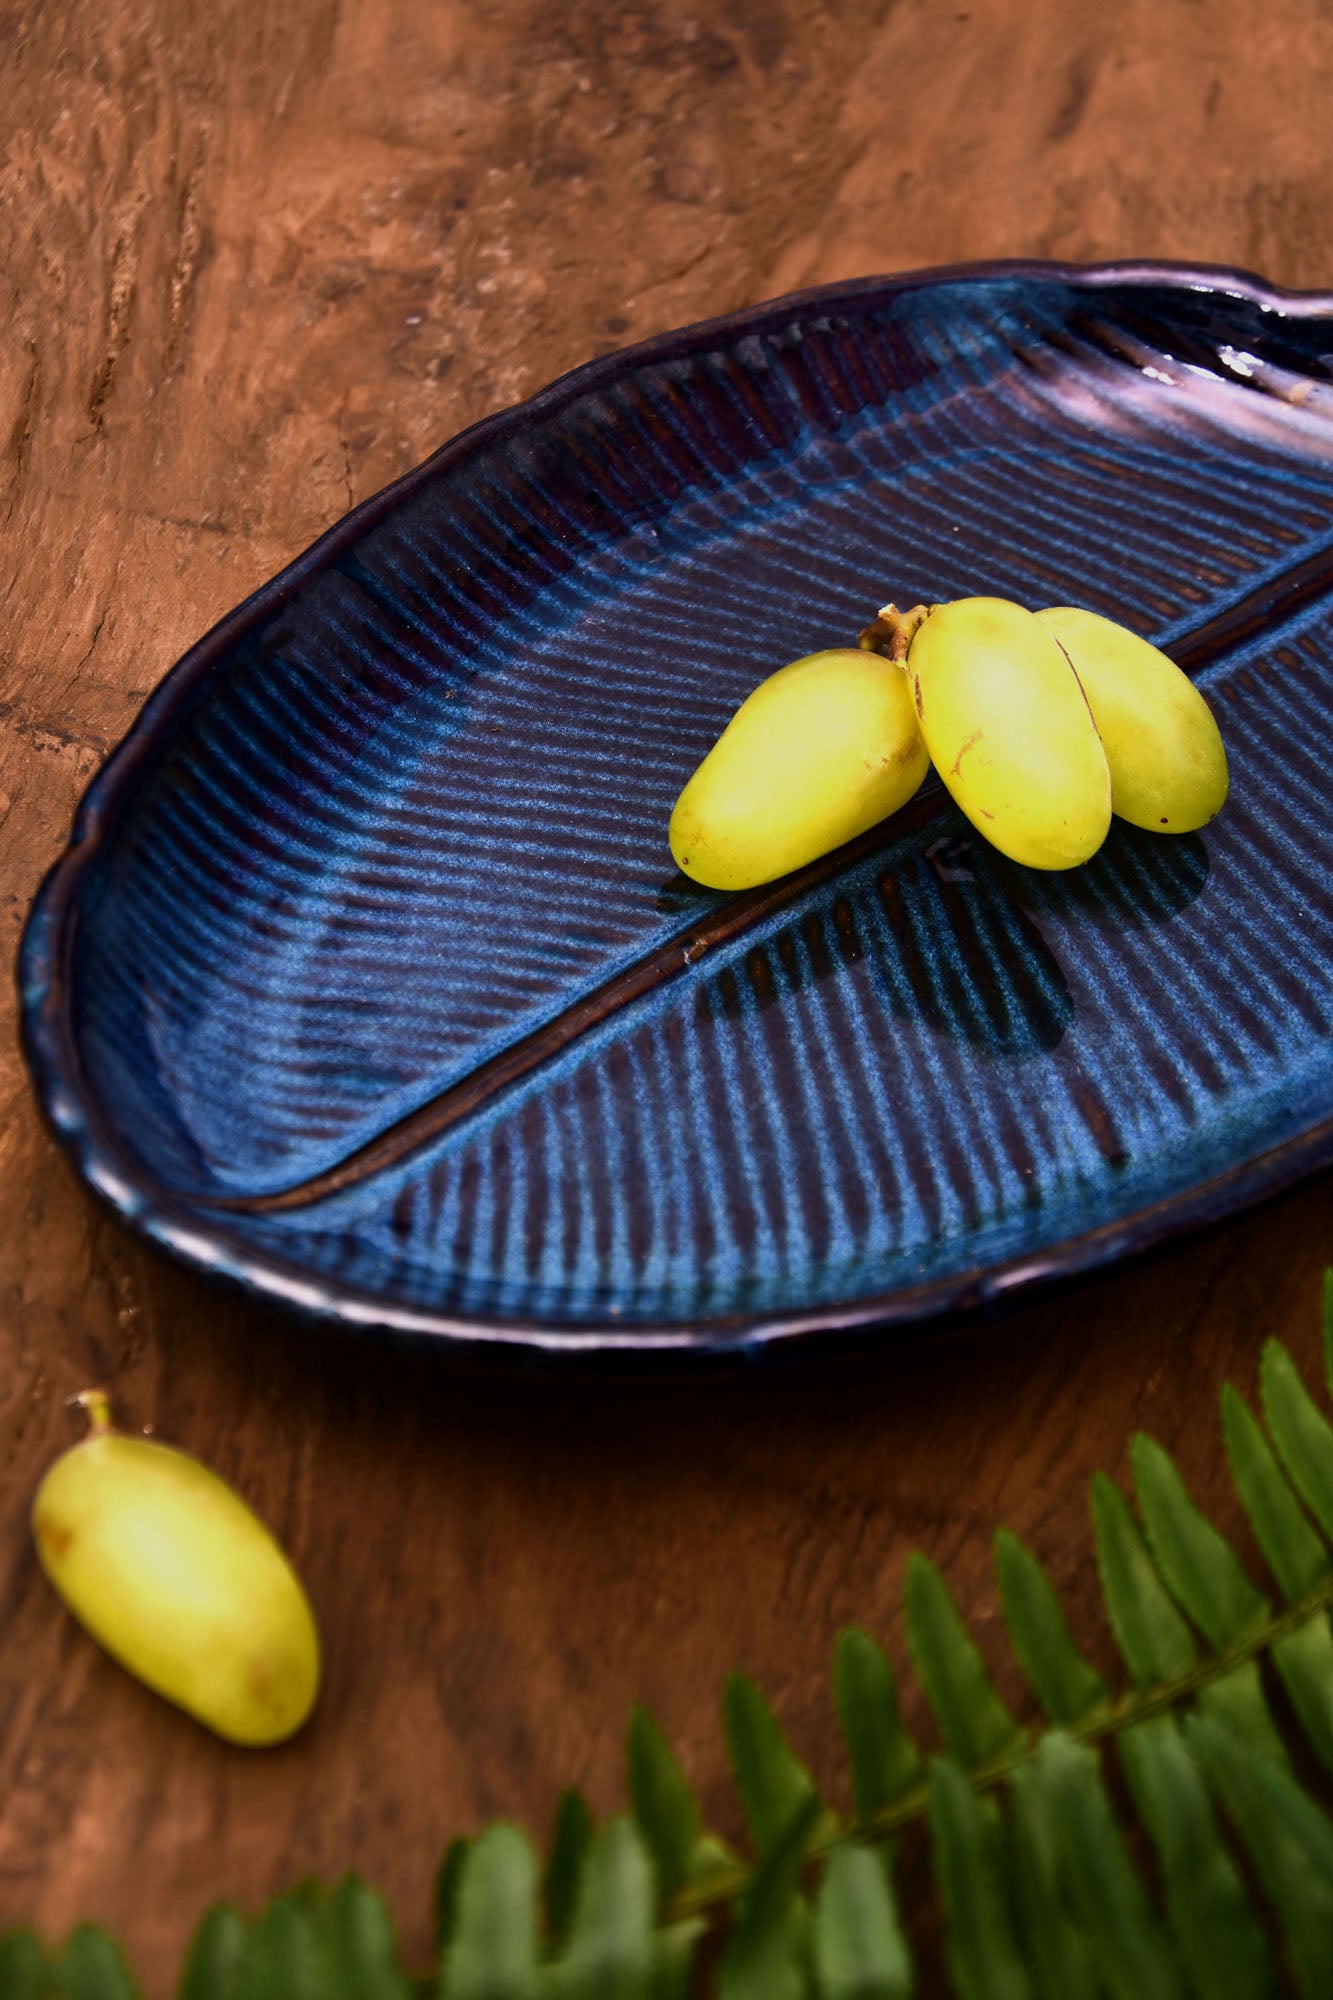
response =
{"points": [[96, 1406], [893, 631]]}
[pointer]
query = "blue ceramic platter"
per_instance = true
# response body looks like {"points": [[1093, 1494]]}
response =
{"points": [[367, 980]]}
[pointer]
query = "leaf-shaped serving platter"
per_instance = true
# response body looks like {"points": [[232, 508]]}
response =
{"points": [[367, 979]]}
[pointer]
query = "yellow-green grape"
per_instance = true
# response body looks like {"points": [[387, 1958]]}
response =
{"points": [[1168, 766], [822, 749], [168, 1568], [1010, 731]]}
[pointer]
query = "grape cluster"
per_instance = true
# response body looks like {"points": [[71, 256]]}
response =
{"points": [[1041, 724]]}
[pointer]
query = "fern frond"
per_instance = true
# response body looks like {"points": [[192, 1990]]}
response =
{"points": [[216, 1952], [765, 1958], [859, 1948], [1297, 1555], [976, 1726], [665, 1808], [1100, 1884], [1301, 1432], [444, 1894], [1203, 1575], [23, 1968], [1061, 1961], [494, 1952], [885, 1762], [91, 1968], [1065, 1685], [1220, 1939], [1153, 1638], [984, 1952], [1289, 1841], [611, 1947], [571, 1837], [674, 1954], [773, 1783], [1197, 1564]]}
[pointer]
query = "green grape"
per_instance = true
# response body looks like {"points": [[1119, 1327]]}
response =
{"points": [[1010, 731], [1168, 766], [822, 749], [169, 1570]]}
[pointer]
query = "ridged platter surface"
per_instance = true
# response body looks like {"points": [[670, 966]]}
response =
{"points": [[366, 978]]}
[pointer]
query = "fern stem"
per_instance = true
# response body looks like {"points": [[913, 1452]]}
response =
{"points": [[1138, 1705]]}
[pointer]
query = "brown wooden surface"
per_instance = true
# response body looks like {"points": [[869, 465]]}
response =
{"points": [[254, 261]]}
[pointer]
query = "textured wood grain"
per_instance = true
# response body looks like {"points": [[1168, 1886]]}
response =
{"points": [[254, 261]]}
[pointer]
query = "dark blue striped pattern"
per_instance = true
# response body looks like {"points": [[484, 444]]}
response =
{"points": [[417, 810]]}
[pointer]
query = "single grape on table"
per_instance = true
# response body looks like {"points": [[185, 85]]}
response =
{"points": [[1042, 725], [170, 1571]]}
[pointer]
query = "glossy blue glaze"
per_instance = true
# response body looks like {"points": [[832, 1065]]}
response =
{"points": [[367, 979]]}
